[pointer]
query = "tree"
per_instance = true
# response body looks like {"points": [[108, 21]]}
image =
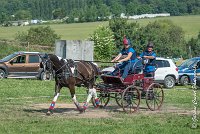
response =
{"points": [[131, 8], [195, 46], [117, 9], [3, 17], [23, 15], [58, 13], [103, 43], [167, 37], [103, 12], [91, 14], [121, 27]]}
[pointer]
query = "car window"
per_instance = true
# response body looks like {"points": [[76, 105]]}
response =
{"points": [[7, 58], [188, 63], [159, 63], [20, 59], [162, 63], [166, 63], [198, 65], [33, 59]]}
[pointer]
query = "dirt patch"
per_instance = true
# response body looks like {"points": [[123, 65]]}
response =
{"points": [[70, 111]]}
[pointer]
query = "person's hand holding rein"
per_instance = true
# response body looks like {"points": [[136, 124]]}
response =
{"points": [[117, 58], [149, 57]]}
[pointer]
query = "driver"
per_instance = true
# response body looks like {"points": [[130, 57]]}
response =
{"points": [[128, 62], [150, 57]]}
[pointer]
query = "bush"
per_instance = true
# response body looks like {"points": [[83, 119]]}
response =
{"points": [[38, 36], [103, 43]]}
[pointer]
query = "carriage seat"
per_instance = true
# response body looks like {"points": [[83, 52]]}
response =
{"points": [[149, 75], [137, 70]]}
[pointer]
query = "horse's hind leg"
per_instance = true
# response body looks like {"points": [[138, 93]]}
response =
{"points": [[73, 95], [57, 93], [91, 93], [96, 99]]}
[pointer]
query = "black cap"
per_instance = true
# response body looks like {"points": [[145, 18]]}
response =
{"points": [[150, 44]]}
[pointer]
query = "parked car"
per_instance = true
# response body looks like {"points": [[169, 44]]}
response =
{"points": [[186, 71], [22, 65], [166, 72]]}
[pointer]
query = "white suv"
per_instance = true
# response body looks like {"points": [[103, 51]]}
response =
{"points": [[166, 72]]}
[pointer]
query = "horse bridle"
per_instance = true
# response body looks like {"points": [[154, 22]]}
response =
{"points": [[51, 64]]}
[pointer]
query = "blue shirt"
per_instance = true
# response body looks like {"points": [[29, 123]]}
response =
{"points": [[125, 51], [150, 67]]}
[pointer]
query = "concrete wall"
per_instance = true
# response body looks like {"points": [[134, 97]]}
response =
{"points": [[75, 49]]}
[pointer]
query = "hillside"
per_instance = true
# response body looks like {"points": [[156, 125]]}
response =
{"points": [[80, 31]]}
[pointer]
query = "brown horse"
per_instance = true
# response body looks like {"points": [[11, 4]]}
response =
{"points": [[70, 74]]}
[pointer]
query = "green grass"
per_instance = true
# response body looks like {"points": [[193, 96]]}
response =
{"points": [[81, 31], [18, 118], [190, 24], [76, 31]]}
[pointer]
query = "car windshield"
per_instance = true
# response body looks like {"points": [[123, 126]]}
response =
{"points": [[188, 63], [7, 58]]}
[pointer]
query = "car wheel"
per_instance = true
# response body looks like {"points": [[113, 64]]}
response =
{"points": [[46, 76], [169, 82], [184, 80], [2, 74]]}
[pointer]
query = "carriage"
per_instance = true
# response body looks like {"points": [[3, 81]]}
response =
{"points": [[129, 92]]}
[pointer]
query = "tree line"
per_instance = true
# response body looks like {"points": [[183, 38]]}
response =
{"points": [[91, 10]]}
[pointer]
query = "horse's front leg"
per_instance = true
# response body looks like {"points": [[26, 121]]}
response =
{"points": [[57, 93]]}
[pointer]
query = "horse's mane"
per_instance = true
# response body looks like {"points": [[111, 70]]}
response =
{"points": [[57, 63]]}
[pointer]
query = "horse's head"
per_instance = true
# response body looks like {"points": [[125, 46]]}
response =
{"points": [[46, 63]]}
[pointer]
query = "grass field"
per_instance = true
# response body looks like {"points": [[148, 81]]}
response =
{"points": [[19, 116], [80, 31]]}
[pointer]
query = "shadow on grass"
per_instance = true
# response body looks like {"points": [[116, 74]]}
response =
{"points": [[120, 109], [56, 110]]}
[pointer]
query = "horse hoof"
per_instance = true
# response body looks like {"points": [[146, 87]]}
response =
{"points": [[82, 110], [49, 113]]}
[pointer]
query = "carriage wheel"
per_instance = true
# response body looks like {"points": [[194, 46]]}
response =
{"points": [[130, 99], [104, 98], [154, 96], [118, 99]]}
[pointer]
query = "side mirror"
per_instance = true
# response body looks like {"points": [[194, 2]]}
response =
{"points": [[198, 65], [11, 62]]}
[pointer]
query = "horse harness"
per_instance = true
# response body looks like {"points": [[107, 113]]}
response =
{"points": [[67, 72]]}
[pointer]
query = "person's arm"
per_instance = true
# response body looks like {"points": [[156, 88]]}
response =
{"points": [[127, 58], [141, 55], [153, 56], [117, 57]]}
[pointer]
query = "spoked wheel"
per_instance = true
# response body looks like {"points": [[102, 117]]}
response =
{"points": [[118, 99], [154, 96], [130, 99], [104, 98]]}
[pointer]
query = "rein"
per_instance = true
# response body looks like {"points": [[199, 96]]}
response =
{"points": [[97, 61]]}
